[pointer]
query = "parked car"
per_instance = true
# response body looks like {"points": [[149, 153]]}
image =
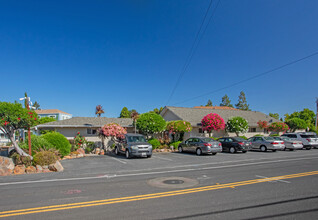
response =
{"points": [[234, 144], [290, 143], [266, 143], [309, 139], [134, 145], [200, 145]]}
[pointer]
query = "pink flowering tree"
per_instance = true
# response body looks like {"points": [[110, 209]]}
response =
{"points": [[113, 131], [212, 122], [13, 117], [278, 127], [178, 128]]}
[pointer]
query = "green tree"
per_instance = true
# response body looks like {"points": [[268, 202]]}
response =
{"points": [[157, 111], [13, 117], [178, 128], [45, 120], [274, 115], [242, 103], [124, 113], [36, 105], [150, 123], [209, 103], [226, 101], [306, 114], [296, 123], [237, 125]]}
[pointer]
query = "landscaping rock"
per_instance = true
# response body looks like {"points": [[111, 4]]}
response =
{"points": [[30, 169], [46, 170], [6, 166], [57, 167], [19, 169], [97, 150], [39, 169], [67, 157], [80, 155], [81, 151], [4, 171]]}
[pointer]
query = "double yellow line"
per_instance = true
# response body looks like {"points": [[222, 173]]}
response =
{"points": [[147, 196]]}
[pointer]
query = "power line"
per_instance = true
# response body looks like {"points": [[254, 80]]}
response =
{"points": [[250, 78], [194, 47]]}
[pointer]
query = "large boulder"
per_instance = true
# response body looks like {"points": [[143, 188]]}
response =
{"points": [[39, 169], [6, 166], [30, 169], [19, 169], [56, 167]]}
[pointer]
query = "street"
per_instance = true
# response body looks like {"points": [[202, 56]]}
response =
{"points": [[255, 185]]}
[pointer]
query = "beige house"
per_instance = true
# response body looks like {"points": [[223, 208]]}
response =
{"points": [[87, 126], [195, 115]]}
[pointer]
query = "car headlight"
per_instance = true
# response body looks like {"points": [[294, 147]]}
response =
{"points": [[134, 147]]}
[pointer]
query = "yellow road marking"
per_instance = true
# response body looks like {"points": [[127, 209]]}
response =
{"points": [[148, 196]]}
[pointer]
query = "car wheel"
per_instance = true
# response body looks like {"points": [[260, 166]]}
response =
{"points": [[244, 151], [127, 154], [180, 149], [291, 149], [274, 150], [263, 148], [308, 148], [284, 149], [213, 153], [232, 150], [149, 156], [199, 152], [116, 151]]}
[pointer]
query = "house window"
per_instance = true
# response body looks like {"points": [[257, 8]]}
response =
{"points": [[52, 116], [91, 131], [251, 129], [201, 131]]}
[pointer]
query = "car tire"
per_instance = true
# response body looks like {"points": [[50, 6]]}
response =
{"points": [[263, 148], [198, 151], [274, 150], [244, 151], [149, 156], [213, 153], [128, 156], [284, 149], [232, 150], [180, 149], [291, 149], [308, 147], [116, 151]]}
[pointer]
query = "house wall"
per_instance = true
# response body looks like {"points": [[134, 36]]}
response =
{"points": [[169, 116]]}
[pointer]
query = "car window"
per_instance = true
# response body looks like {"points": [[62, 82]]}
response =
{"points": [[258, 139], [292, 136], [230, 140], [251, 139], [188, 141], [277, 138], [206, 139], [221, 139], [269, 138], [238, 139], [196, 140], [308, 136], [136, 139]]}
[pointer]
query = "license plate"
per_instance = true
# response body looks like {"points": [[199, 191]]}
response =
{"points": [[143, 154]]}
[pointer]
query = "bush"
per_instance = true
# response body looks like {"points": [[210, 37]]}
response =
{"points": [[37, 143], [258, 135], [44, 158], [59, 142], [21, 160], [154, 142], [244, 137], [214, 138], [274, 135], [175, 144]]}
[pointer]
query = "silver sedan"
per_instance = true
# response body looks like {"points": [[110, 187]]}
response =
{"points": [[290, 143], [200, 146], [266, 143]]}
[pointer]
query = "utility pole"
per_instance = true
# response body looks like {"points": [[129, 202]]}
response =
{"points": [[316, 112]]}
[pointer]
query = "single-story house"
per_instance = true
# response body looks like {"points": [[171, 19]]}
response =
{"points": [[194, 116], [87, 126], [53, 113]]}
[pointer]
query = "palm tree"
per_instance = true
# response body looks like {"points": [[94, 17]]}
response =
{"points": [[99, 110]]}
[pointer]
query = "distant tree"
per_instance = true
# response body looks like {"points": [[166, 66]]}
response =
{"points": [[237, 125], [212, 122], [242, 103], [157, 111], [99, 110], [13, 117], [36, 105], [209, 103], [150, 123], [134, 115], [45, 120], [262, 124], [226, 101], [274, 115], [178, 128], [124, 113], [306, 114], [296, 123]]}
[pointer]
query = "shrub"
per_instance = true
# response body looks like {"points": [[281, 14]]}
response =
{"points": [[214, 138], [154, 142], [21, 160], [244, 137], [44, 158], [237, 125], [37, 143], [212, 122], [175, 144], [150, 123], [274, 135], [278, 127], [59, 142], [79, 141], [258, 135]]}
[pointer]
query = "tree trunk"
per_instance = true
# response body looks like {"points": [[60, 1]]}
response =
{"points": [[17, 148]]}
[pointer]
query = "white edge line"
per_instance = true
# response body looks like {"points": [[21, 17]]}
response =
{"points": [[161, 158], [119, 160], [152, 173]]}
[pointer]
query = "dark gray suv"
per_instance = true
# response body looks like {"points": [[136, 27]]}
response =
{"points": [[134, 145]]}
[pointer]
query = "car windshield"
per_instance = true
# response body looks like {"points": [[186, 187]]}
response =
{"points": [[277, 138], [239, 139], [269, 138], [286, 138], [308, 136], [207, 139], [136, 139]]}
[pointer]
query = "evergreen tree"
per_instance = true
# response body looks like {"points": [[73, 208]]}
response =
{"points": [[124, 113], [242, 103], [274, 115], [209, 103], [226, 101]]}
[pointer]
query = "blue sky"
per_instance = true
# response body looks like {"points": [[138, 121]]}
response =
{"points": [[74, 55]]}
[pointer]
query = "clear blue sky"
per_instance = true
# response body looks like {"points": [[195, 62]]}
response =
{"points": [[74, 55]]}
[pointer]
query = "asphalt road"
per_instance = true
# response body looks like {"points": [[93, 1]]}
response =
{"points": [[170, 186]]}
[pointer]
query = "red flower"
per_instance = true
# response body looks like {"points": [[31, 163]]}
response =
{"points": [[35, 119], [19, 119]]}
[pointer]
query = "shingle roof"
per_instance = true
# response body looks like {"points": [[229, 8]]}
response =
{"points": [[195, 115], [50, 111], [88, 122], [217, 107]]}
